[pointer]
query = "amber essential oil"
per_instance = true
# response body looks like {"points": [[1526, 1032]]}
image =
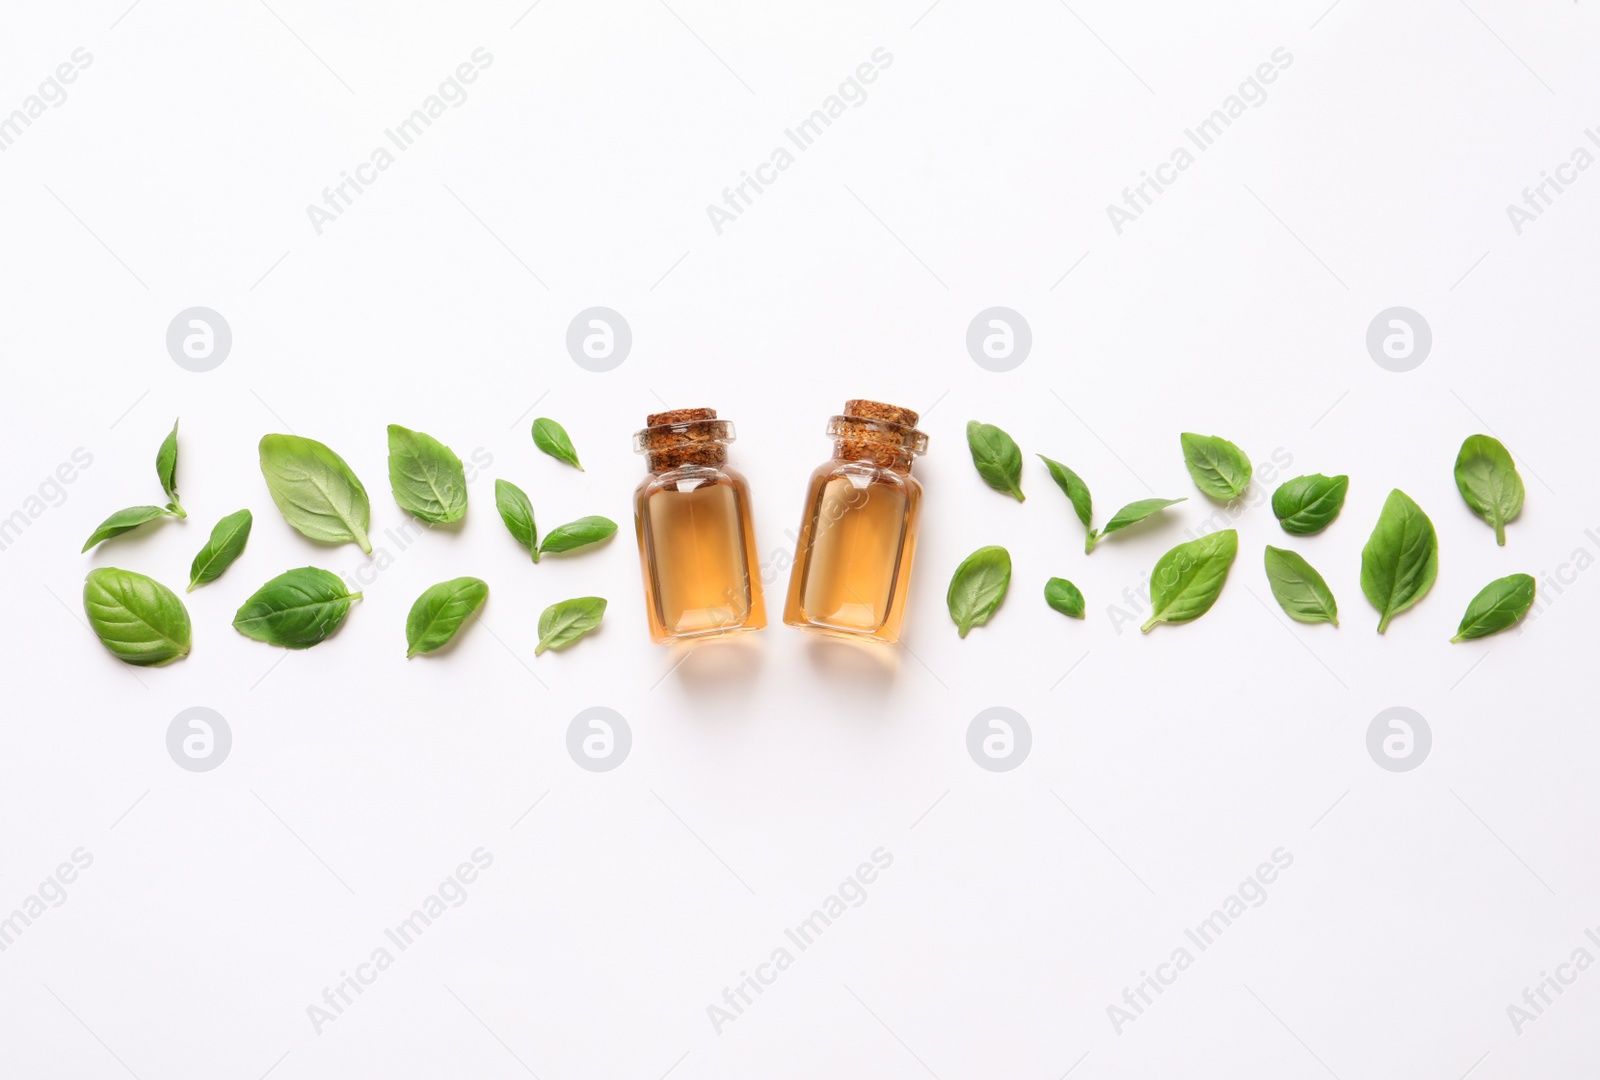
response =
{"points": [[852, 563], [696, 541]]}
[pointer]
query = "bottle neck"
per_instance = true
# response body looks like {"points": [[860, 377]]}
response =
{"points": [[883, 435], [884, 456], [683, 437]]}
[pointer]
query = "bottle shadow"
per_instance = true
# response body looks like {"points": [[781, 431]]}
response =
{"points": [[858, 669], [722, 672]]}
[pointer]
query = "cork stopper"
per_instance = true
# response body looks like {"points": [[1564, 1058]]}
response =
{"points": [[679, 437], [885, 435], [877, 410]]}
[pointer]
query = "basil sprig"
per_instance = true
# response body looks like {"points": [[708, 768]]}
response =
{"points": [[1500, 605], [225, 545], [439, 613], [1299, 589], [1063, 596], [997, 458], [427, 478], [1488, 480], [516, 510], [1077, 492], [1188, 579], [297, 609], [1401, 559], [552, 438], [978, 587], [563, 623], [1308, 504], [1220, 469], [138, 619], [315, 491]]}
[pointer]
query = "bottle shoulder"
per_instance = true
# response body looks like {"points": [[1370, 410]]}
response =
{"points": [[865, 472], [691, 477]]}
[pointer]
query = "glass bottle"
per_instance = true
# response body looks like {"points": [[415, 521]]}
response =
{"points": [[696, 541], [852, 562]]}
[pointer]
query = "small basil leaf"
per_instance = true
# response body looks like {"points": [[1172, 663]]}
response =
{"points": [[516, 510], [1500, 605], [1220, 469], [140, 620], [1401, 559], [315, 491], [427, 478], [1132, 514], [1299, 589], [440, 611], [978, 586], [226, 544], [577, 534], [1188, 579], [997, 457], [124, 520], [167, 469], [563, 623], [1063, 596], [1072, 485], [1308, 504], [297, 609], [1487, 478], [551, 437]]}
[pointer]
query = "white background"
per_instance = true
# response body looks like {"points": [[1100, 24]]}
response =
{"points": [[1019, 905]]}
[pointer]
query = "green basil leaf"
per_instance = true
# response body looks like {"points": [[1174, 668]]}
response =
{"points": [[577, 534], [1501, 604], [551, 437], [226, 544], [1220, 469], [427, 478], [1308, 504], [563, 623], [516, 510], [439, 612], [1299, 589], [167, 470], [1188, 579], [1401, 559], [140, 620], [997, 457], [1487, 478], [978, 586], [1131, 514], [297, 609], [1063, 596], [315, 490], [124, 520], [1072, 485]]}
